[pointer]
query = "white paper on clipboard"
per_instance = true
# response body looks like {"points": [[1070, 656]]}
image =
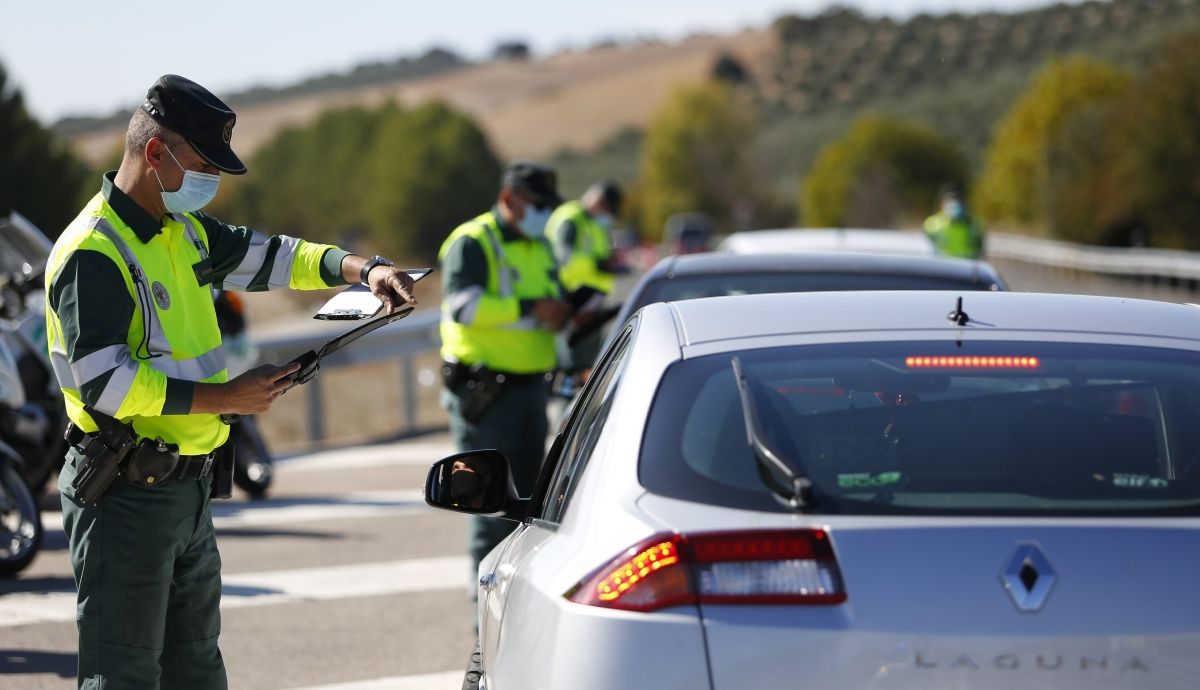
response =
{"points": [[358, 302]]}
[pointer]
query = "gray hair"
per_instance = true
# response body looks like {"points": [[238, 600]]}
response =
{"points": [[143, 128]]}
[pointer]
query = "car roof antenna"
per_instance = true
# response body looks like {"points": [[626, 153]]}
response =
{"points": [[959, 316], [789, 484]]}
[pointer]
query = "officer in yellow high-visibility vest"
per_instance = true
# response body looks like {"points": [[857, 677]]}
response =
{"points": [[953, 231], [579, 231], [502, 304], [137, 352]]}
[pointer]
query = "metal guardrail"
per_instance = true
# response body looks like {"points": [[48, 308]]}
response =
{"points": [[1160, 266], [403, 340]]}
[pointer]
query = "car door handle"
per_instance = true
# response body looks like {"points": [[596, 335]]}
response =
{"points": [[487, 582]]}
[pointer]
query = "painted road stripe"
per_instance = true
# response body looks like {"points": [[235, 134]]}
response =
{"points": [[428, 681], [277, 587], [296, 509]]}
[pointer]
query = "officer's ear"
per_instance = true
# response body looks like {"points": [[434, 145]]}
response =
{"points": [[510, 202], [155, 153]]}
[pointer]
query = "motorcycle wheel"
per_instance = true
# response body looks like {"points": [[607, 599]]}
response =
{"points": [[20, 522], [253, 467]]}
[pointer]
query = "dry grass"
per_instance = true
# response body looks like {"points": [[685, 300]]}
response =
{"points": [[528, 109]]}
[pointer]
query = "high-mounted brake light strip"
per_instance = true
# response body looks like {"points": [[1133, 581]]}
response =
{"points": [[971, 362]]}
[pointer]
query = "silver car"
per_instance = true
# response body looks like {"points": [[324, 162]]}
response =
{"points": [[859, 490]]}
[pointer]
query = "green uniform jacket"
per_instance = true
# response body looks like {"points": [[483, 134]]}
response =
{"points": [[112, 355]]}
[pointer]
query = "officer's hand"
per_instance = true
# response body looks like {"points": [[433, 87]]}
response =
{"points": [[392, 286], [551, 312], [254, 391]]}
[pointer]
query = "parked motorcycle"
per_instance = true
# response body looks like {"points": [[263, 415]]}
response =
{"points": [[20, 518], [34, 428]]}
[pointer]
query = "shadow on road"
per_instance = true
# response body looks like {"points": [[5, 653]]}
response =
{"points": [[37, 584], [28, 662]]}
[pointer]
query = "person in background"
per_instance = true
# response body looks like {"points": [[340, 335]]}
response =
{"points": [[580, 233], [953, 231], [501, 307]]}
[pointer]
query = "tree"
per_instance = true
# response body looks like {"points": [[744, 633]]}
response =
{"points": [[401, 178], [1015, 173], [1157, 146], [696, 157], [39, 177], [431, 170], [883, 172]]}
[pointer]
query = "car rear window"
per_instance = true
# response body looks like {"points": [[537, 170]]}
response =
{"points": [[934, 428], [697, 286]]}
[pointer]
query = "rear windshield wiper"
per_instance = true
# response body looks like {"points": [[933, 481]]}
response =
{"points": [[785, 479]]}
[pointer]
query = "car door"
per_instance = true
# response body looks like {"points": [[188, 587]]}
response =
{"points": [[510, 613]]}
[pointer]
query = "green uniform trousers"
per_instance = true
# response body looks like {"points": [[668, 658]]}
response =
{"points": [[515, 425], [149, 579]]}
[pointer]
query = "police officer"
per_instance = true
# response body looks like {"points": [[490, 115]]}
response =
{"points": [[501, 307], [135, 346], [579, 231], [953, 231]]}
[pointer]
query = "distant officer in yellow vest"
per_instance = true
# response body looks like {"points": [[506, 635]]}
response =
{"points": [[579, 231], [137, 352], [501, 306], [952, 230]]}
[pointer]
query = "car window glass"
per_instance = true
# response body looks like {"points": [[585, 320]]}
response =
{"points": [[939, 428], [581, 438]]}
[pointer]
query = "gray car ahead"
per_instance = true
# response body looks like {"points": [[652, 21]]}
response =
{"points": [[862, 490]]}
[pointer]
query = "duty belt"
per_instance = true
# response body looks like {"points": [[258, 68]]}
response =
{"points": [[189, 467]]}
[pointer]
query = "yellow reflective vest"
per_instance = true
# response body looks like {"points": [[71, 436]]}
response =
{"points": [[486, 319], [143, 371], [580, 264]]}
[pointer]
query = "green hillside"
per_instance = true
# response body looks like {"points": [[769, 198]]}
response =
{"points": [[957, 73]]}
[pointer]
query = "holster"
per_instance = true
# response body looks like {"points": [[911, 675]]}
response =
{"points": [[477, 387], [222, 471], [104, 455]]}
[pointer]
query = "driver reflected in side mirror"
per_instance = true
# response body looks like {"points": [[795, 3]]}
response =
{"points": [[475, 482]]}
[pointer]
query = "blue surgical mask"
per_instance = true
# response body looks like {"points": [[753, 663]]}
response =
{"points": [[954, 209], [604, 220], [197, 190], [533, 225]]}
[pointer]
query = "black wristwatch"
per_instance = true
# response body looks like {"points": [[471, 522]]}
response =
{"points": [[372, 263]]}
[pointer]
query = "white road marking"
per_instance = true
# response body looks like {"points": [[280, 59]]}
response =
{"points": [[276, 587], [398, 454], [296, 509], [428, 681]]}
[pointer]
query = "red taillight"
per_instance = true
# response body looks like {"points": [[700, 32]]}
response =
{"points": [[751, 567], [971, 362]]}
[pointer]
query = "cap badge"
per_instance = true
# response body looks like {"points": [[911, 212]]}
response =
{"points": [[227, 133], [161, 296]]}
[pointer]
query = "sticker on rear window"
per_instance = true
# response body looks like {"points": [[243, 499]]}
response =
{"points": [[1139, 481], [866, 480]]}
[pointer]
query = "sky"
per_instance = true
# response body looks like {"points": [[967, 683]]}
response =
{"points": [[82, 57]]}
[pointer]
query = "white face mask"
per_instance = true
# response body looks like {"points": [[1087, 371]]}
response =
{"points": [[954, 208], [533, 225], [604, 220], [197, 190]]}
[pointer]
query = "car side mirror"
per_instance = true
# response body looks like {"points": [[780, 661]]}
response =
{"points": [[476, 482]]}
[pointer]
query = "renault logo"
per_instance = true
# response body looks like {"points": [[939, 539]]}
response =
{"points": [[1028, 578]]}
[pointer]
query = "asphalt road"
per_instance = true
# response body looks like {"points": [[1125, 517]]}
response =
{"points": [[342, 580]]}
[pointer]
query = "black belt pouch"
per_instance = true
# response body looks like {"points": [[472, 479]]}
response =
{"points": [[222, 471]]}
